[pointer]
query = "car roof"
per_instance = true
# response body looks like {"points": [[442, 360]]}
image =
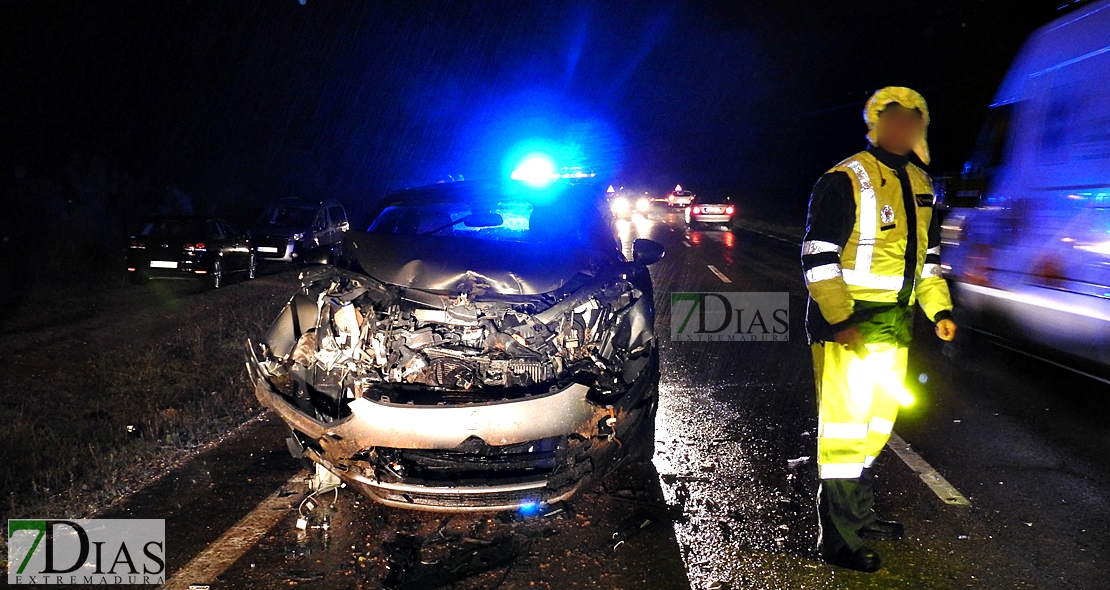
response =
{"points": [[481, 190], [184, 218], [303, 203]]}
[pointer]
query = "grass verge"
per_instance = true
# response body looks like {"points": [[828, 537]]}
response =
{"points": [[95, 410]]}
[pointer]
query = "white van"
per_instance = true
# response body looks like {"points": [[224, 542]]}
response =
{"points": [[1031, 264]]}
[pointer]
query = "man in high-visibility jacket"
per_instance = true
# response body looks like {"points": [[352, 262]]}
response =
{"points": [[872, 249]]}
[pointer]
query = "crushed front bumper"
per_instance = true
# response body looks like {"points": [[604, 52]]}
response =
{"points": [[504, 454]]}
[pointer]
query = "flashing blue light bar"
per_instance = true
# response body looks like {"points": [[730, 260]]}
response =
{"points": [[535, 170]]}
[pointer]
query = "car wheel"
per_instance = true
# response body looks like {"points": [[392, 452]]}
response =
{"points": [[252, 266], [643, 443], [216, 275]]}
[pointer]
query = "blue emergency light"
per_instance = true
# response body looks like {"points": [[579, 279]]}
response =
{"points": [[536, 170]]}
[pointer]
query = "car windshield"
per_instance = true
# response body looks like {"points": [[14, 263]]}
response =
{"points": [[494, 221], [508, 221], [291, 216], [177, 228]]}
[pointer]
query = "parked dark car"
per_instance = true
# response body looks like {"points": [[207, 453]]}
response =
{"points": [[292, 230], [189, 247], [490, 348]]}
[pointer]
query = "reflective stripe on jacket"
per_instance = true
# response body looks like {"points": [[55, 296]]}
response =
{"points": [[871, 236]]}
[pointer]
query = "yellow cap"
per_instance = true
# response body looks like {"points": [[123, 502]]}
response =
{"points": [[905, 97]]}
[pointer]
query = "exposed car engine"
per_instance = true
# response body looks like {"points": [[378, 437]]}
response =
{"points": [[364, 338]]}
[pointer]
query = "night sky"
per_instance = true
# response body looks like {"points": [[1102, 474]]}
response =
{"points": [[239, 102]]}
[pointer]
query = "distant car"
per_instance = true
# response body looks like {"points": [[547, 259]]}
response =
{"points": [[680, 198], [622, 206], [189, 247], [707, 211], [292, 230], [490, 348]]}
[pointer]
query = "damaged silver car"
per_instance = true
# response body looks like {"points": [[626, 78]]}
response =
{"points": [[485, 347]]}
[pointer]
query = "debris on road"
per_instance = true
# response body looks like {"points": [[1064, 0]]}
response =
{"points": [[792, 463], [406, 571]]}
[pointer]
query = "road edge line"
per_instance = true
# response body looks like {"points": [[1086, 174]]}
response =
{"points": [[720, 275], [219, 555], [932, 478]]}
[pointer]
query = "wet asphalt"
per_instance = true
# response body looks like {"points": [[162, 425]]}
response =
{"points": [[728, 500]]}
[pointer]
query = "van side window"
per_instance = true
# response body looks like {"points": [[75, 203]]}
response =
{"points": [[337, 215]]}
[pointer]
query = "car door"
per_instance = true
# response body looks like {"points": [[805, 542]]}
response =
{"points": [[236, 249], [216, 244], [320, 228]]}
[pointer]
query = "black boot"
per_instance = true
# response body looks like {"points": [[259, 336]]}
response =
{"points": [[837, 542], [875, 529], [863, 559], [883, 530]]}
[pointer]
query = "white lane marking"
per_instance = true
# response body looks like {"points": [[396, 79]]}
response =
{"points": [[237, 540], [687, 244], [936, 482], [720, 275]]}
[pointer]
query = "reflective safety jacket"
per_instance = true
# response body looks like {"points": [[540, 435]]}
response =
{"points": [[872, 246]]}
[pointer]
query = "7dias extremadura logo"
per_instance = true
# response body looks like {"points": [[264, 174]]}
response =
{"points": [[730, 317], [87, 551]]}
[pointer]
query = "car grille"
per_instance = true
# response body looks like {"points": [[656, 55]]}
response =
{"points": [[460, 476]]}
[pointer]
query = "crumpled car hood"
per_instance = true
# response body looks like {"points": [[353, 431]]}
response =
{"points": [[438, 263]]}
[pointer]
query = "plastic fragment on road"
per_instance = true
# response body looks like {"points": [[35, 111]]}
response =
{"points": [[792, 463]]}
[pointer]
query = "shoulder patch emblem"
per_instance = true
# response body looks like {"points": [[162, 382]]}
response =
{"points": [[886, 215]]}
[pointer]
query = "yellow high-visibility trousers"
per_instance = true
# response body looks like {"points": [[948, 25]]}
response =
{"points": [[852, 426]]}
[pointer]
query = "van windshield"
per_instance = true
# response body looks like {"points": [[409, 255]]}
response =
{"points": [[291, 216], [991, 145]]}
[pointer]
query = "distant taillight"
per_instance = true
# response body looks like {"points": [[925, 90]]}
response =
{"points": [[137, 245], [198, 247]]}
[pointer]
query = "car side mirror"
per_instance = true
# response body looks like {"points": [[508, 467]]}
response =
{"points": [[647, 252]]}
